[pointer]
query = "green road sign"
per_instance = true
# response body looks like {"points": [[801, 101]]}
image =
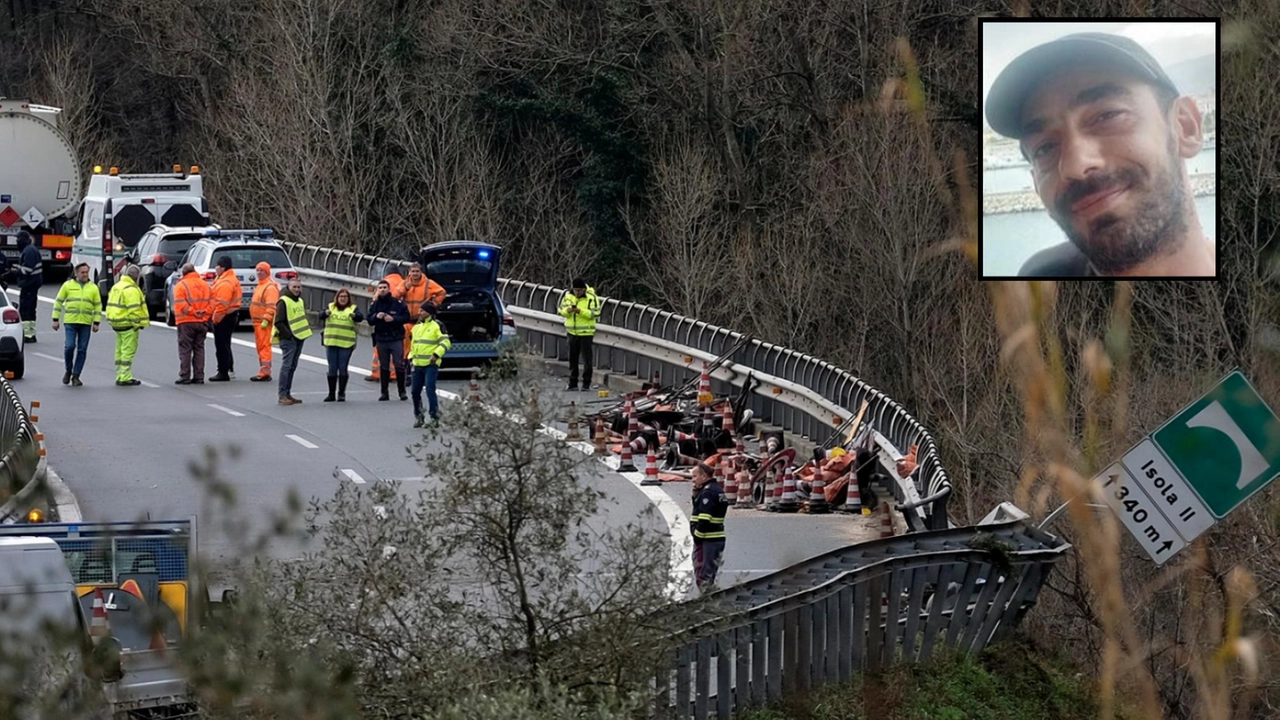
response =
{"points": [[1226, 444]]}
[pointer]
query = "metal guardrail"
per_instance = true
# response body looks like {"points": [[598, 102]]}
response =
{"points": [[800, 393], [22, 462], [898, 607]]}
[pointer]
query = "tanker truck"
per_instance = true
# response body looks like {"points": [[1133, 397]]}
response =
{"points": [[41, 182]]}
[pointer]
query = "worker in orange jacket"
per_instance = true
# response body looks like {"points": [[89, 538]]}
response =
{"points": [[227, 299], [262, 311], [192, 313], [395, 280], [417, 290]]}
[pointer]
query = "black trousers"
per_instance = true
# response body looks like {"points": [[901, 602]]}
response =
{"points": [[580, 347], [27, 299], [222, 343]]}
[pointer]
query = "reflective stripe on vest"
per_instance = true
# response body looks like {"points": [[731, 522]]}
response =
{"points": [[340, 328], [297, 317]]}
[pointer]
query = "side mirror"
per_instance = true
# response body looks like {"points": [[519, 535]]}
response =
{"points": [[171, 265], [104, 660]]}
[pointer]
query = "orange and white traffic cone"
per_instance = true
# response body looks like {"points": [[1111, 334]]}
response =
{"points": [[650, 469], [852, 497], [633, 425], [99, 625], [771, 486], [574, 433], [788, 503], [627, 462], [475, 389], [818, 504], [886, 521], [654, 384], [746, 496], [727, 424], [601, 437], [704, 387], [729, 480]]}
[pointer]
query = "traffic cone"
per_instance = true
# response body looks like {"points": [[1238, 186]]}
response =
{"points": [[574, 433], [475, 389], [99, 625], [727, 425], [600, 437], [852, 498], [708, 425], [886, 521], [627, 462], [770, 487], [650, 469], [730, 481], [675, 436], [746, 498], [633, 425], [704, 387], [788, 503], [654, 384], [818, 504]]}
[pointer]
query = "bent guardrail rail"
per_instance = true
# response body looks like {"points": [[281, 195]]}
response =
{"points": [[799, 392], [22, 461]]}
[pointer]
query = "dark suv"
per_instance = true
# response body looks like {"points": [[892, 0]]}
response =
{"points": [[156, 254], [472, 312]]}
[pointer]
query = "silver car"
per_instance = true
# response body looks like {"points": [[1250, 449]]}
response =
{"points": [[246, 248]]}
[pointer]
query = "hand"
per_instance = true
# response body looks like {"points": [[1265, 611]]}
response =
{"points": [[95, 327], [55, 324]]}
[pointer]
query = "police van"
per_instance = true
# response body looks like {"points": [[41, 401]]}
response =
{"points": [[119, 209]]}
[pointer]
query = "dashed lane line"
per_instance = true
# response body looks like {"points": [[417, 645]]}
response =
{"points": [[303, 442], [353, 475], [226, 410]]}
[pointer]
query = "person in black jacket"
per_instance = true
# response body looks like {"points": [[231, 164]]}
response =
{"points": [[388, 316], [707, 524], [30, 278]]}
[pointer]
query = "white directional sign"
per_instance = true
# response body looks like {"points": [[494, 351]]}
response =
{"points": [[1196, 468], [1139, 514], [33, 217]]}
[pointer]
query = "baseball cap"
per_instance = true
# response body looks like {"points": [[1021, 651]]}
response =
{"points": [[1023, 76]]}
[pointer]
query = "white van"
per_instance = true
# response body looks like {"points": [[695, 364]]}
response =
{"points": [[119, 209]]}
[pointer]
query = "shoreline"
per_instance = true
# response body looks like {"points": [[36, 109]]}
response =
{"points": [[1029, 201]]}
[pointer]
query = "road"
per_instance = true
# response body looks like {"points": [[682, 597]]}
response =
{"points": [[126, 453]]}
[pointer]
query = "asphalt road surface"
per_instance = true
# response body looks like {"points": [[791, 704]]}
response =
{"points": [[126, 453]]}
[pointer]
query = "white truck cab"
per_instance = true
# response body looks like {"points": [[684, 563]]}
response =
{"points": [[119, 209]]}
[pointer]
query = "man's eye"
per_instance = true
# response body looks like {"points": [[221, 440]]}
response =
{"points": [[1108, 115], [1041, 150]]}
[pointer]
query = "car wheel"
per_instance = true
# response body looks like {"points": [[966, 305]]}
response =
{"points": [[169, 319], [17, 368]]}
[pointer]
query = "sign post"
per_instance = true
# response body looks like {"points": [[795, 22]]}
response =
{"points": [[1196, 468]]}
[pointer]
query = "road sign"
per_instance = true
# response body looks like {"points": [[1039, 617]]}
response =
{"points": [[1226, 444], [1139, 514], [1168, 490], [9, 216], [33, 217]]}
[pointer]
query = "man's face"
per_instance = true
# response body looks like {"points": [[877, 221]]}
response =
{"points": [[415, 275], [262, 274], [295, 286], [580, 291], [383, 289], [82, 274], [1106, 164]]}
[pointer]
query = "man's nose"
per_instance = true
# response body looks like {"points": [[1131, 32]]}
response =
{"points": [[1079, 156]]}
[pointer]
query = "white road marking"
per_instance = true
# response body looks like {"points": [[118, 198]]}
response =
{"points": [[303, 442], [147, 384], [226, 410], [677, 522], [355, 476], [48, 357]]}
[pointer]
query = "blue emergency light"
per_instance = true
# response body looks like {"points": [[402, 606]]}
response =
{"points": [[483, 254]]}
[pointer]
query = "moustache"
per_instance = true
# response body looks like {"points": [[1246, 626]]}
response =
{"points": [[1080, 189]]}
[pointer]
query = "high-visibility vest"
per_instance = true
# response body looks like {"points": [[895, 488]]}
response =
{"points": [[415, 295], [428, 340], [582, 322], [81, 304], [297, 318], [227, 295], [263, 305], [126, 306], [192, 300], [340, 327]]}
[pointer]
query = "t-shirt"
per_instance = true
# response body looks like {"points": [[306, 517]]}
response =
{"points": [[1060, 260]]}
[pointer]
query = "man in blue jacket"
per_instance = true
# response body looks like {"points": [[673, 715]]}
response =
{"points": [[710, 505], [387, 318], [30, 278]]}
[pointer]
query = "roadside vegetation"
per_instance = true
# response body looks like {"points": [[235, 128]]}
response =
{"points": [[804, 172]]}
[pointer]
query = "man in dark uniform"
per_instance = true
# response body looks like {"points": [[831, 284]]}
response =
{"points": [[707, 523], [30, 278]]}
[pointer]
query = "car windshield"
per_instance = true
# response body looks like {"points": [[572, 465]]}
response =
{"points": [[461, 271], [244, 258]]}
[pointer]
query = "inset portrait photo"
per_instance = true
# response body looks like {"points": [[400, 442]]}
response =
{"points": [[1099, 152]]}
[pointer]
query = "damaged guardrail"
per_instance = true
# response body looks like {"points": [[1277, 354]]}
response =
{"points": [[22, 460], [798, 392]]}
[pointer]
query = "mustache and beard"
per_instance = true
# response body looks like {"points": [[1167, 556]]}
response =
{"points": [[1114, 243]]}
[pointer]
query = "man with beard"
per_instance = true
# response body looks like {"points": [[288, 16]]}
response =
{"points": [[1107, 135]]}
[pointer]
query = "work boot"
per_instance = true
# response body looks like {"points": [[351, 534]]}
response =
{"points": [[75, 381], [571, 388], [220, 377], [31, 339], [294, 400], [284, 401], [66, 378], [342, 388], [384, 380], [400, 387], [333, 384], [418, 421], [371, 378], [260, 378], [128, 383]]}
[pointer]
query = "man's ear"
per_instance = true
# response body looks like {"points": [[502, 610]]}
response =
{"points": [[1188, 127]]}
